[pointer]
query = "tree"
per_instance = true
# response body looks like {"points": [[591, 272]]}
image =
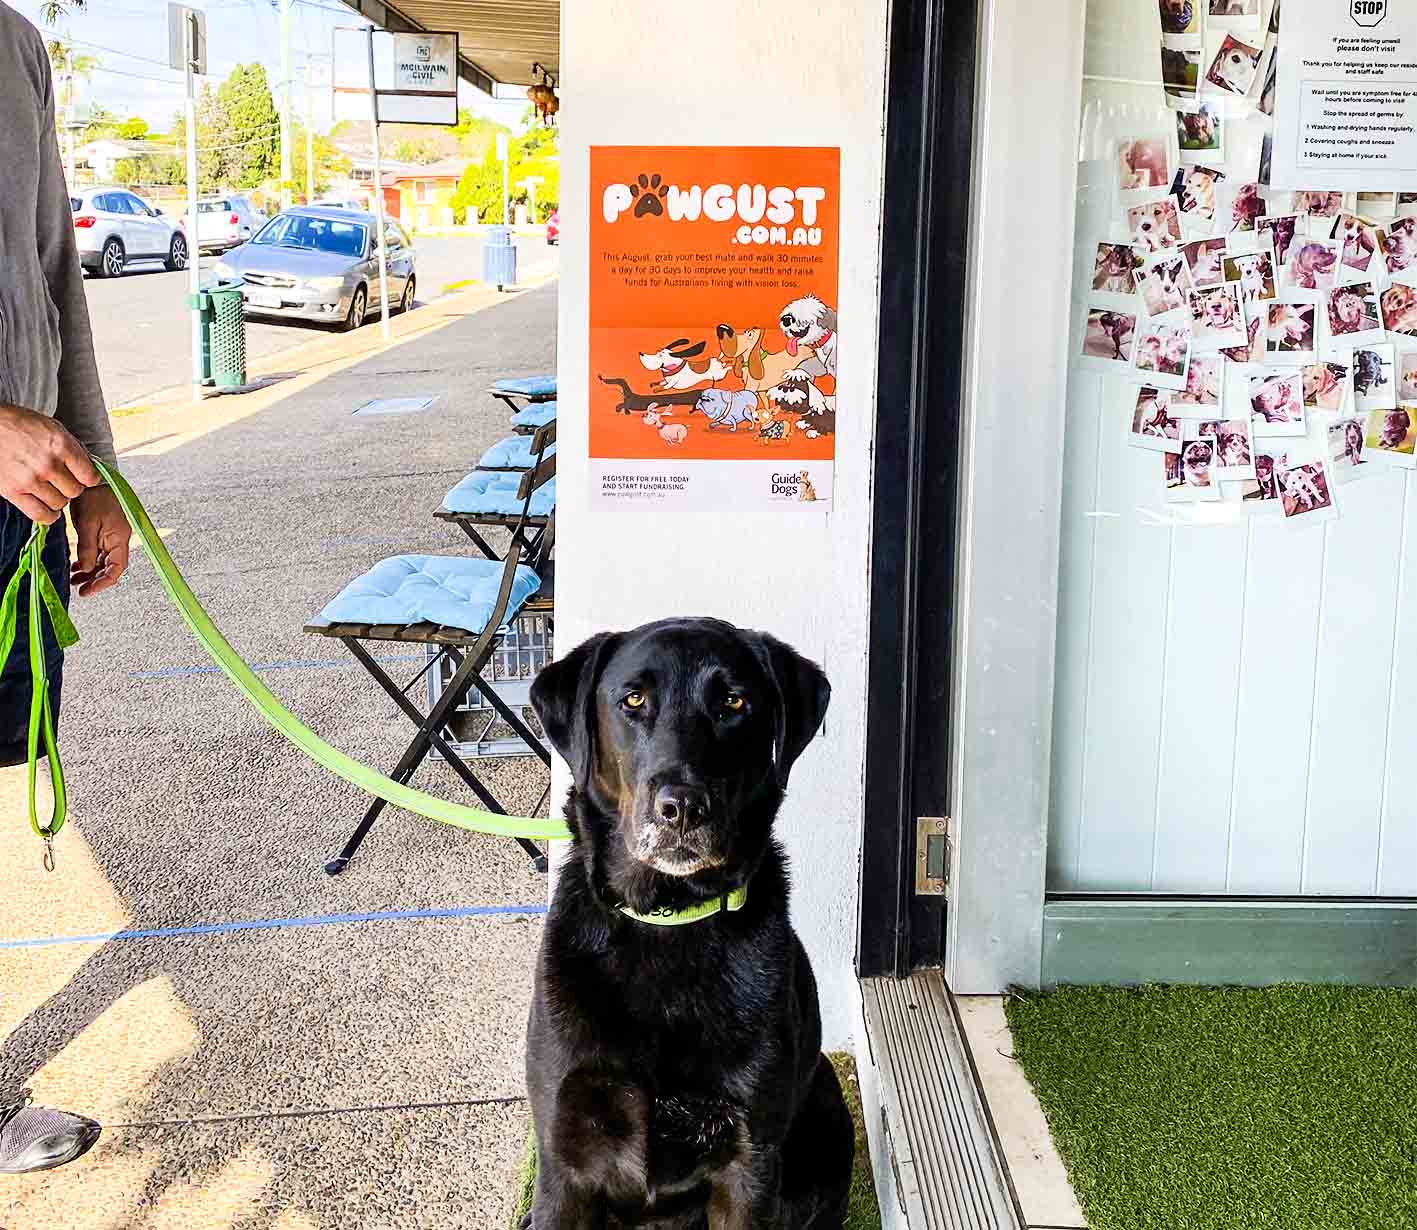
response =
{"points": [[478, 196], [330, 163], [134, 128], [415, 149], [252, 126]]}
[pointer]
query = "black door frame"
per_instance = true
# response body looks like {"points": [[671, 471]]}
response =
{"points": [[919, 393]]}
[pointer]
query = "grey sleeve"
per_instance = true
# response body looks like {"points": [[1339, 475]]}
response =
{"points": [[80, 407]]}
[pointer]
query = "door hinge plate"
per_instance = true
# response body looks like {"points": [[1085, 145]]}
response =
{"points": [[932, 856]]}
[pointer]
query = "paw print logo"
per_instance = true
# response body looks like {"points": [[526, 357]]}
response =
{"points": [[649, 193]]}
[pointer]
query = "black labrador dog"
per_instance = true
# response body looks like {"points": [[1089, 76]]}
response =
{"points": [[674, 1057]]}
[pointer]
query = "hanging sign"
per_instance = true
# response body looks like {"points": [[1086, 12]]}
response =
{"points": [[426, 63], [713, 327], [1346, 111]]}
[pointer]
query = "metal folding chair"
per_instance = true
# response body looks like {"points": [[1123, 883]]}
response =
{"points": [[470, 649]]}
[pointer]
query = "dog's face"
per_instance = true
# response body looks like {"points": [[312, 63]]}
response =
{"points": [[671, 357], [806, 322], [680, 735], [1400, 308]]}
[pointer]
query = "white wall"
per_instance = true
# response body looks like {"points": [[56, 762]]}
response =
{"points": [[637, 72]]}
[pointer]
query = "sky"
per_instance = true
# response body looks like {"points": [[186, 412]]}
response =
{"points": [[129, 38]]}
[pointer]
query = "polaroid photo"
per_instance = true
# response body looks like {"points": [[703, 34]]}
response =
{"points": [[1234, 448], [1353, 315], [1238, 206], [1320, 208], [1152, 425], [1291, 335], [1190, 474], [1312, 270], [1398, 244], [1407, 376], [1345, 448], [1282, 229], [1181, 64], [1390, 436], [1253, 351], [1143, 162], [1163, 284], [1399, 310], [1234, 69], [1375, 378], [1109, 336], [1306, 493], [1372, 204], [1231, 14], [1155, 226], [1357, 239], [1204, 391], [1162, 354], [1254, 273], [1326, 386], [1277, 403], [1406, 202], [1181, 16], [1112, 271], [1194, 190], [1262, 492], [1217, 317], [1206, 260], [1200, 133]]}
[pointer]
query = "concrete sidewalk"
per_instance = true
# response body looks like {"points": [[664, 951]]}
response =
{"points": [[311, 1070]]}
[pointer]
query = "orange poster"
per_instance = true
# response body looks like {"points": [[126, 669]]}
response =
{"points": [[713, 326]]}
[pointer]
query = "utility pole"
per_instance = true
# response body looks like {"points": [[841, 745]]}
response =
{"points": [[285, 104], [309, 137], [194, 286], [378, 195]]}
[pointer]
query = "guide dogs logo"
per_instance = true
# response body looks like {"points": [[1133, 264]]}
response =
{"points": [[1368, 12]]}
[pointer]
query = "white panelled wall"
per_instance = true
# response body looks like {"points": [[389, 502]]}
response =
{"points": [[1235, 702]]}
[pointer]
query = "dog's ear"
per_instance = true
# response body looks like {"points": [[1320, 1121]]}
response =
{"points": [[829, 319], [755, 363], [802, 696], [563, 695], [682, 350]]}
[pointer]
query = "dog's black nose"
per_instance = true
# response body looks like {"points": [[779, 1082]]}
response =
{"points": [[682, 805]]}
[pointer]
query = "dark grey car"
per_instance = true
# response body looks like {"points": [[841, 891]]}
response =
{"points": [[315, 263]]}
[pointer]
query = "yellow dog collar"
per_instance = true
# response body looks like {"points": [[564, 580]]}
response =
{"points": [[729, 903]]}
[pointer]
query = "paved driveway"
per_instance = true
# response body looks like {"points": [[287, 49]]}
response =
{"points": [[270, 1047], [141, 326]]}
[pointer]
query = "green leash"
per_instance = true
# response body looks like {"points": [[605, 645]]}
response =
{"points": [[42, 593]]}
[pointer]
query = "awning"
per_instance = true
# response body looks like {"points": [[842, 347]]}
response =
{"points": [[498, 40]]}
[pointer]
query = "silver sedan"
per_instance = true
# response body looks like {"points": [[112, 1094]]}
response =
{"points": [[314, 263]]}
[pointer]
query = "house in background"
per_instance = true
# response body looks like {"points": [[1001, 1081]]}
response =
{"points": [[100, 157], [425, 193]]}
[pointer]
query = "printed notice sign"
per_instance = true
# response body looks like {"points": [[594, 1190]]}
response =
{"points": [[1346, 108], [713, 327]]}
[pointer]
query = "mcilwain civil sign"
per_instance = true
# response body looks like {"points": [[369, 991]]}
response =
{"points": [[426, 63], [1346, 105], [713, 326]]}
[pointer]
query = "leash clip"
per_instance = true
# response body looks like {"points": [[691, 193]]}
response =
{"points": [[48, 859]]}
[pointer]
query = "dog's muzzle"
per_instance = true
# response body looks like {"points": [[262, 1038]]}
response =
{"points": [[673, 834]]}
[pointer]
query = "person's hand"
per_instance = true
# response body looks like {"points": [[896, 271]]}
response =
{"points": [[42, 467], [103, 533]]}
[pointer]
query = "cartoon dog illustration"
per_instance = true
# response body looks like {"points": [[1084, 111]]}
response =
{"points": [[749, 360], [728, 409], [637, 403], [676, 368], [808, 322], [775, 420], [673, 434]]}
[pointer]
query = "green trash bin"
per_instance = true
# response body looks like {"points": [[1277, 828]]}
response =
{"points": [[223, 334]]}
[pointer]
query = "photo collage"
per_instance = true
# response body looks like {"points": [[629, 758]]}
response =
{"points": [[1269, 337]]}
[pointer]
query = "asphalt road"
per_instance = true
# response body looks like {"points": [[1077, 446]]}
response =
{"points": [[141, 326]]}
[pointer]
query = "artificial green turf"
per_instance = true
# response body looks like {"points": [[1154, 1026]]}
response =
{"points": [[1283, 1108], [863, 1211]]}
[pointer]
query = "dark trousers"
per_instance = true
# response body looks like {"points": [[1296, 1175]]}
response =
{"points": [[15, 689]]}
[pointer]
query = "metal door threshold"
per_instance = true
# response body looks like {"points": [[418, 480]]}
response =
{"points": [[949, 1175]]}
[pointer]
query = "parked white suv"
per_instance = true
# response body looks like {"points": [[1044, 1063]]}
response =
{"points": [[112, 228], [224, 222]]}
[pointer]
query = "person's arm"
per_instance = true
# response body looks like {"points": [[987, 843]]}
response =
{"points": [[81, 407]]}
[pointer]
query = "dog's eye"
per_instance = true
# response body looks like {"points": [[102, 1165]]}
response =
{"points": [[633, 700], [734, 703]]}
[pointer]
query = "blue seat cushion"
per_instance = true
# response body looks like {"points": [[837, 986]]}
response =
{"points": [[437, 589], [513, 453], [537, 414], [488, 491], [527, 386]]}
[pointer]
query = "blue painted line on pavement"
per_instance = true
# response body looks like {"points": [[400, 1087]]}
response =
{"points": [[294, 664], [268, 924]]}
